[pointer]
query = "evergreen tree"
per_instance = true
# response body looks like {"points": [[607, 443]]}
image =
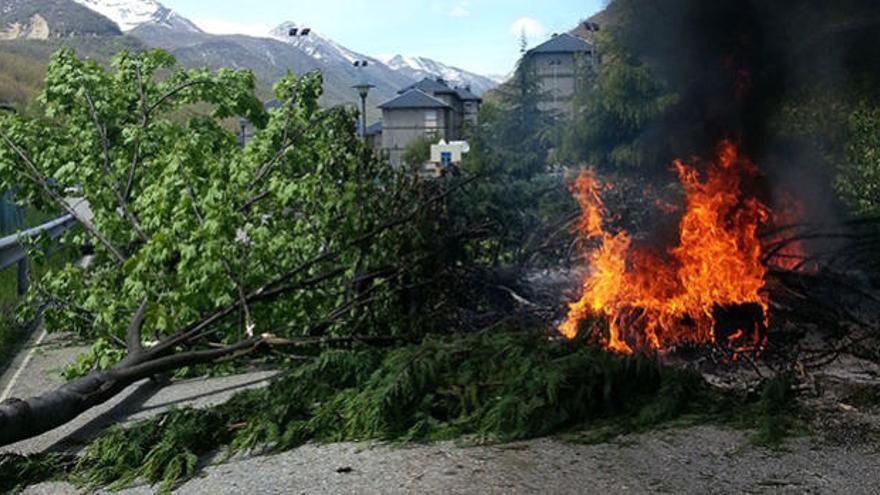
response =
{"points": [[613, 110], [513, 137]]}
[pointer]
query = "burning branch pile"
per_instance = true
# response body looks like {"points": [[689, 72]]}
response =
{"points": [[707, 288], [747, 248]]}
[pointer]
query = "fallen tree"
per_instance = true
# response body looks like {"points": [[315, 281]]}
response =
{"points": [[209, 251]]}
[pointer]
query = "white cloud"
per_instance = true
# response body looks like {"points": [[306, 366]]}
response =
{"points": [[461, 9], [220, 26], [532, 28]]}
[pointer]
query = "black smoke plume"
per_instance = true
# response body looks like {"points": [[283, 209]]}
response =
{"points": [[735, 63]]}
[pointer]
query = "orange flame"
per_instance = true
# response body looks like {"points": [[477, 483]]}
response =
{"points": [[652, 301]]}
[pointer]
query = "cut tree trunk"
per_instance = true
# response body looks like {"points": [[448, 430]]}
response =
{"points": [[23, 419]]}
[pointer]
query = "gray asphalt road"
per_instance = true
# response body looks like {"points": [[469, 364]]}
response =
{"points": [[698, 460]]}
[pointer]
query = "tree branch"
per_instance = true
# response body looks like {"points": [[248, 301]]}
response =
{"points": [[173, 92], [280, 285], [109, 175], [145, 119], [23, 419], [38, 178], [133, 334], [226, 266]]}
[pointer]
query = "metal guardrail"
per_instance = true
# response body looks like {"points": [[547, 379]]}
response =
{"points": [[13, 249]]}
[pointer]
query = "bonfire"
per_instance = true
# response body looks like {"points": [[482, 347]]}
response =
{"points": [[707, 288]]}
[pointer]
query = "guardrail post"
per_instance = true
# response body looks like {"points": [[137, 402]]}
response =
{"points": [[23, 277]]}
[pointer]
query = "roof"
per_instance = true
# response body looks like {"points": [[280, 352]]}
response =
{"points": [[271, 104], [429, 86], [465, 94], [563, 43], [414, 98], [375, 128]]}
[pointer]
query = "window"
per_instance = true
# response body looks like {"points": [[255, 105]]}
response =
{"points": [[431, 120]]}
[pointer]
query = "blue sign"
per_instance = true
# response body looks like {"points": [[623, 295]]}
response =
{"points": [[446, 159]]}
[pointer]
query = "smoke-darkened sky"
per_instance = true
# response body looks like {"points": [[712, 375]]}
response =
{"points": [[733, 62]]}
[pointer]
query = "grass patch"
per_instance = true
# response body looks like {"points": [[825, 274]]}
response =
{"points": [[494, 388]]}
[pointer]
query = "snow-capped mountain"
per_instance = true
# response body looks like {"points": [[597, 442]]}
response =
{"points": [[420, 67], [334, 58], [413, 68], [149, 23], [317, 46], [129, 14]]}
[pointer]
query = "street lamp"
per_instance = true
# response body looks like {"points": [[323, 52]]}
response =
{"points": [[294, 32], [363, 88], [242, 125]]}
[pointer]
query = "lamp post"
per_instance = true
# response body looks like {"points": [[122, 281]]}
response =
{"points": [[363, 88], [242, 127]]}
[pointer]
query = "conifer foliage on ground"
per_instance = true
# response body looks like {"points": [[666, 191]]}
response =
{"points": [[500, 386]]}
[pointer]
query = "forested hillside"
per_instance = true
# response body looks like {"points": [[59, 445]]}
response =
{"points": [[24, 62]]}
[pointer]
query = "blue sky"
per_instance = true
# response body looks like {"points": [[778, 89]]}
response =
{"points": [[476, 35]]}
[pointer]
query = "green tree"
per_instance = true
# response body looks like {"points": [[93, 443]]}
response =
{"points": [[513, 131], [418, 151], [859, 179], [203, 250], [611, 115], [517, 195]]}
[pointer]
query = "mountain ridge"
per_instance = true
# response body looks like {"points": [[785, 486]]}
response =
{"points": [[134, 16], [129, 14], [418, 68], [270, 57]]}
